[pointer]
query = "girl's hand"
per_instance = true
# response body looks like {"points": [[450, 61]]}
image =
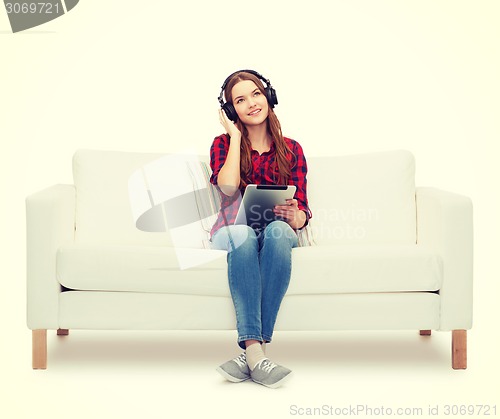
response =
{"points": [[291, 213], [228, 125]]}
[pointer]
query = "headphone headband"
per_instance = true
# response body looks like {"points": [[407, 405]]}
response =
{"points": [[229, 108], [255, 73]]}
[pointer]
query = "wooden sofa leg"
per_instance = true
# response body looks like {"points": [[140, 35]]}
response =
{"points": [[425, 332], [459, 349], [39, 342], [62, 332]]}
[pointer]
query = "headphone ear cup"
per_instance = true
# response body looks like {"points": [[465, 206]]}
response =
{"points": [[230, 111], [272, 99]]}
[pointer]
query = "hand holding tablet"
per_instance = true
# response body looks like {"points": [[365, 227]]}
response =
{"points": [[291, 213]]}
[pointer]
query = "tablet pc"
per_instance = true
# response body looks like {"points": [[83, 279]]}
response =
{"points": [[256, 208]]}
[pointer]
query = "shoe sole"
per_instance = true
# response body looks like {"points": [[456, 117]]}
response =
{"points": [[229, 377], [277, 383]]}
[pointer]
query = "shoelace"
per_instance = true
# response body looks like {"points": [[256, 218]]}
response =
{"points": [[266, 365], [241, 360]]}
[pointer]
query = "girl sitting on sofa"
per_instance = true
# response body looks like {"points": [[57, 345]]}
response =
{"points": [[254, 151]]}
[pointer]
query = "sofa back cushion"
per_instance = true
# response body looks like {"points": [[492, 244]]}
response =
{"points": [[103, 213], [126, 198], [365, 198]]}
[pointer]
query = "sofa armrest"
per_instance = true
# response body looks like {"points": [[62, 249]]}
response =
{"points": [[50, 223], [444, 222]]}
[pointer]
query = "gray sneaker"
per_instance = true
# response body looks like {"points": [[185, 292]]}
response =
{"points": [[236, 370], [269, 374]]}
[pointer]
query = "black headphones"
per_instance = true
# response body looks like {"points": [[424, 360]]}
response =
{"points": [[228, 108]]}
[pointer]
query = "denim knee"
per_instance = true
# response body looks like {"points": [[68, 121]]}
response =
{"points": [[232, 237], [280, 231]]}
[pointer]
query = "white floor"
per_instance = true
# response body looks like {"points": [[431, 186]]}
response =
{"points": [[117, 374]]}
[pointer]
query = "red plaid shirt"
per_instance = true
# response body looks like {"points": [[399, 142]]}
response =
{"points": [[262, 174]]}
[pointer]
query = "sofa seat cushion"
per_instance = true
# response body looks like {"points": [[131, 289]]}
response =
{"points": [[316, 270], [365, 268], [139, 269]]}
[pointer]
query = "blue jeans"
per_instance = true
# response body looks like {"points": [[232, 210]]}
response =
{"points": [[259, 268]]}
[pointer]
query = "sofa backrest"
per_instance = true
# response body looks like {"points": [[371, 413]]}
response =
{"points": [[365, 198]]}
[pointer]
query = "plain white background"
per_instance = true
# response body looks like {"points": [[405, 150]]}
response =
{"points": [[351, 77]]}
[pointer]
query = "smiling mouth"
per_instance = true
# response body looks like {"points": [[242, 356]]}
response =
{"points": [[254, 112]]}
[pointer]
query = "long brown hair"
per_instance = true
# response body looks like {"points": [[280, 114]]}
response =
{"points": [[283, 162]]}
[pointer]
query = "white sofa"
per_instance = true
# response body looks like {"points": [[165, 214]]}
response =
{"points": [[386, 255]]}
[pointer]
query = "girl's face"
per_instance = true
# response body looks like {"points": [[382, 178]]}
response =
{"points": [[249, 102]]}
